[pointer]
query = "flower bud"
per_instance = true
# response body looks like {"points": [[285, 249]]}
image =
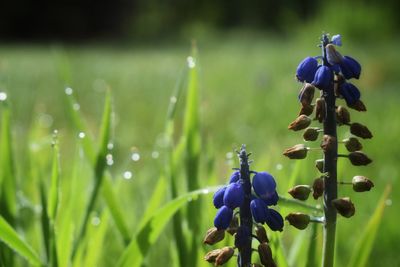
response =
{"points": [[264, 185], [333, 56], [328, 143], [271, 200], [318, 187], [234, 177], [212, 255], [233, 225], [261, 234], [224, 256], [350, 93], [342, 115], [360, 130], [311, 134], [213, 236], [234, 195], [306, 94], [358, 158], [306, 69], [320, 109], [358, 105], [265, 253], [223, 218], [362, 184], [344, 206], [323, 77], [337, 40], [350, 68], [296, 152], [300, 192], [298, 220], [319, 164], [306, 110], [300, 123], [259, 210], [218, 198], [352, 144], [274, 220]]}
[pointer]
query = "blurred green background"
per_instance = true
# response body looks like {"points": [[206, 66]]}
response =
{"points": [[248, 54]]}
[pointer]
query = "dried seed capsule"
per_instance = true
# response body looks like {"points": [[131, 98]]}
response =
{"points": [[213, 236], [360, 130], [318, 187], [261, 234], [323, 77], [339, 80], [311, 134], [298, 220], [320, 109], [224, 256], [212, 255], [265, 253], [358, 105], [296, 152], [300, 123], [344, 206], [233, 226], [300, 192], [352, 144], [319, 164], [306, 94], [333, 56], [362, 184], [306, 69], [350, 68], [328, 143], [234, 195], [358, 158], [306, 110], [342, 115]]}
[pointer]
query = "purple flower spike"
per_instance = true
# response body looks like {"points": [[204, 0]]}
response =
{"points": [[272, 200], [264, 185], [234, 177], [350, 93], [234, 195], [223, 218], [306, 69], [350, 68], [259, 210], [323, 78], [218, 198], [337, 40], [274, 220]]}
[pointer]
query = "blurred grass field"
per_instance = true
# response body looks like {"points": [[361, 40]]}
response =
{"points": [[248, 94]]}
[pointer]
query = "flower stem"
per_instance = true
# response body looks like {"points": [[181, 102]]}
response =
{"points": [[330, 166], [244, 258]]}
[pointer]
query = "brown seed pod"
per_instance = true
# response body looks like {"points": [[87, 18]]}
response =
{"points": [[306, 94], [300, 192], [358, 158], [333, 56], [359, 106], [265, 254], [233, 225], [306, 110], [362, 184], [344, 207], [320, 109], [311, 134], [352, 144], [319, 164], [300, 123], [318, 187], [328, 143], [213, 236], [224, 256], [261, 234], [296, 152], [212, 255], [342, 115], [298, 220], [360, 130]]}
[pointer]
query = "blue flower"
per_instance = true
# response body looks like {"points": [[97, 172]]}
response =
{"points": [[306, 69], [223, 218], [264, 185], [218, 198], [323, 77], [337, 40], [272, 200], [274, 220], [259, 210], [350, 93], [234, 195], [234, 177], [350, 68]]}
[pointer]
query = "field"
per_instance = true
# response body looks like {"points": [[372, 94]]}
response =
{"points": [[247, 94]]}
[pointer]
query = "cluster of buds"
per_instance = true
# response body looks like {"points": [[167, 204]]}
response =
{"points": [[244, 206], [329, 74]]}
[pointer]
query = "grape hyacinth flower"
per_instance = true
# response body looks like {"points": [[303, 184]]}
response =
{"points": [[248, 201], [330, 77]]}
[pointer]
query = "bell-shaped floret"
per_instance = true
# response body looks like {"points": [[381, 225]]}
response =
{"points": [[234, 177], [223, 218], [218, 198], [264, 185], [323, 78], [274, 220], [259, 210], [350, 68], [350, 93], [234, 195], [306, 69]]}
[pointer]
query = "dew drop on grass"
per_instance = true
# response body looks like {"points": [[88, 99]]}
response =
{"points": [[127, 175], [155, 154], [96, 221], [45, 120], [173, 99], [109, 159], [3, 96], [388, 202], [81, 135], [110, 146], [279, 167], [191, 63], [69, 91], [229, 155], [76, 106], [205, 191], [135, 156]]}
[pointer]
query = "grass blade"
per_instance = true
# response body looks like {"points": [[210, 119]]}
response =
{"points": [[9, 236], [365, 244], [148, 234]]}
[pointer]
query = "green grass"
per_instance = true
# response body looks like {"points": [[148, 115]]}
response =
{"points": [[246, 94]]}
